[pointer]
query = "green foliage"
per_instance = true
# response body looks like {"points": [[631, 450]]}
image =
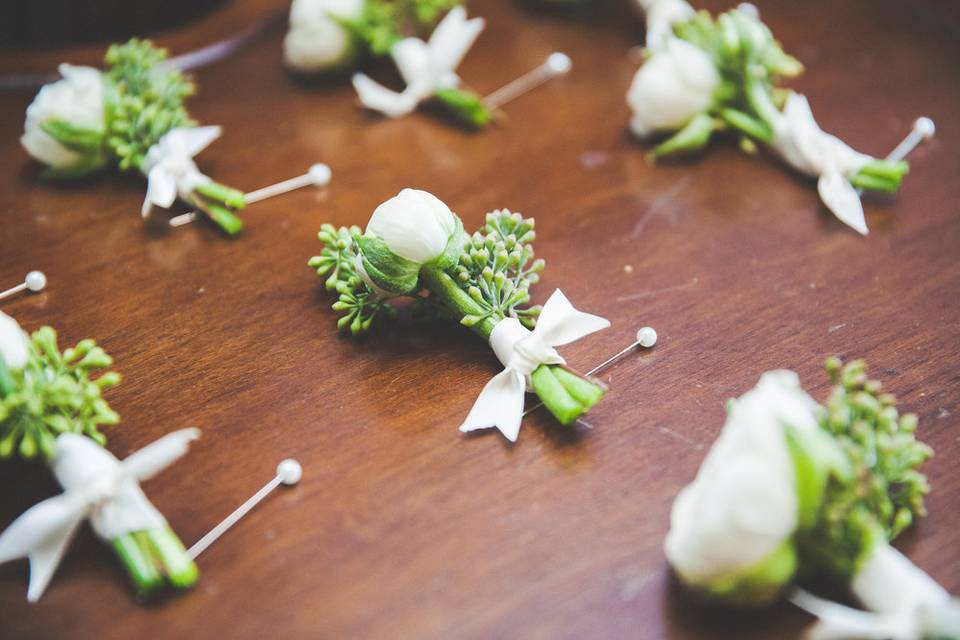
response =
{"points": [[884, 493], [497, 268], [359, 304], [383, 22], [751, 64], [144, 100], [53, 394]]}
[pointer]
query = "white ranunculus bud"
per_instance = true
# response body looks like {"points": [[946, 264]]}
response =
{"points": [[316, 41], [742, 507], [414, 224], [14, 343], [76, 99], [673, 86]]}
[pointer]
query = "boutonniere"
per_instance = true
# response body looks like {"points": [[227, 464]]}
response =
{"points": [[326, 35], [415, 246], [332, 35], [791, 488], [704, 75], [131, 117], [51, 406]]}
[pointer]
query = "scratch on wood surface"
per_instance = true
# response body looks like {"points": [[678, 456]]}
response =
{"points": [[836, 327], [653, 292], [660, 202], [680, 436]]}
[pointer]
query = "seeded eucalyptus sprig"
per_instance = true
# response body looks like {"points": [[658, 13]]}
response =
{"points": [[144, 100], [382, 23], [55, 393], [495, 268], [337, 258], [883, 493]]}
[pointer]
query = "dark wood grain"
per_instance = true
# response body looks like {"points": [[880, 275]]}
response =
{"points": [[402, 528]]}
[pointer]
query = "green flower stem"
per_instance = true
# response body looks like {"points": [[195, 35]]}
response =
{"points": [[467, 106], [457, 301], [881, 175], [154, 558], [180, 569], [747, 124], [566, 395], [547, 386], [223, 217], [228, 196], [761, 102], [693, 137], [138, 563]]}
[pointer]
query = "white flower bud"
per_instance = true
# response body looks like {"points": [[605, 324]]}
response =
{"points": [[77, 99], [743, 505], [14, 343], [414, 224], [674, 85], [316, 41]]}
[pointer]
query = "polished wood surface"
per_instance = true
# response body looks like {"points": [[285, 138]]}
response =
{"points": [[401, 528]]}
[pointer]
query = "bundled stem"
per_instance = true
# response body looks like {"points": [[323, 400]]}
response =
{"points": [[489, 282]]}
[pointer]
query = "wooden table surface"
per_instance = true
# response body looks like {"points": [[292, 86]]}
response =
{"points": [[401, 528]]}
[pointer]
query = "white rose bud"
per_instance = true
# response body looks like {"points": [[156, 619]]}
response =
{"points": [[14, 343], [673, 86], [77, 100], [414, 224], [742, 508], [316, 41]]}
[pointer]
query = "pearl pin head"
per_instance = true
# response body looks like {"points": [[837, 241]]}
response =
{"points": [[289, 471], [646, 337], [36, 281], [559, 63]]}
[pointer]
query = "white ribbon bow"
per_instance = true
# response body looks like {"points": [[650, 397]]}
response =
{"points": [[903, 602], [807, 148], [840, 622], [424, 66], [661, 16], [170, 168], [96, 486], [521, 351]]}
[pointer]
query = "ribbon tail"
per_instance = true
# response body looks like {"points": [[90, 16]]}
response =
{"points": [[839, 622], [843, 200], [161, 190], [377, 97], [499, 405], [453, 38], [189, 141], [145, 463], [560, 323], [42, 534]]}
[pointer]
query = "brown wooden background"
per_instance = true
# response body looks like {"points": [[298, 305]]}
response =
{"points": [[401, 527]]}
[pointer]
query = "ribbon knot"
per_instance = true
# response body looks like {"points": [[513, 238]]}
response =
{"points": [[96, 486], [521, 351], [170, 168], [425, 67], [805, 146]]}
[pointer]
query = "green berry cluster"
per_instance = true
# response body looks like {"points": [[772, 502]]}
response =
{"points": [[495, 268], [383, 22], [337, 261], [53, 394], [883, 493], [144, 100]]}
